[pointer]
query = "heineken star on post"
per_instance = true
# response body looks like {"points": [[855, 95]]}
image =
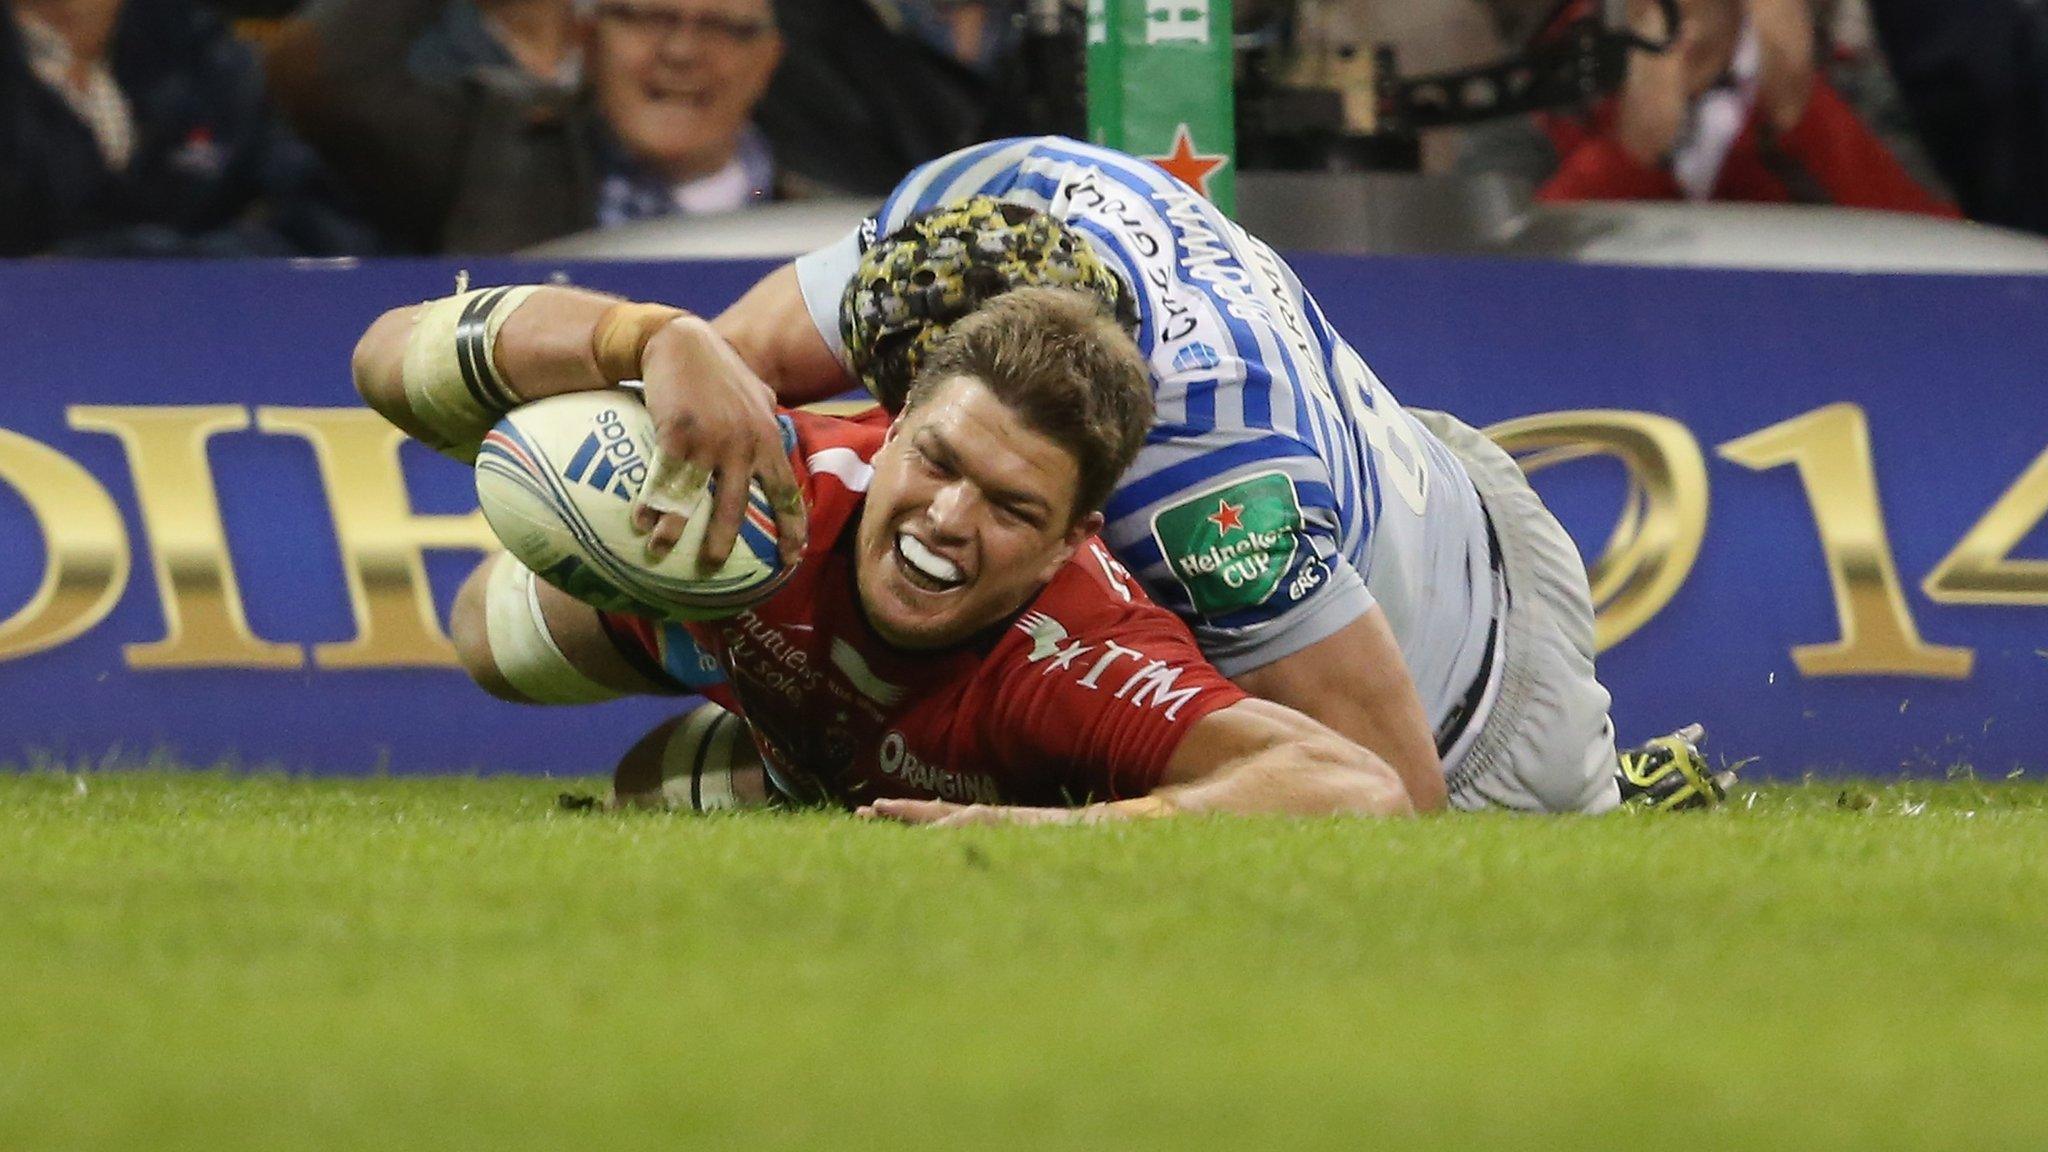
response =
{"points": [[1159, 87]]}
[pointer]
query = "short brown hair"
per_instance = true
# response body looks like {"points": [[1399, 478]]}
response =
{"points": [[1060, 361]]}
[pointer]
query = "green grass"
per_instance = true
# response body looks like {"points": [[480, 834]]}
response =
{"points": [[221, 962]]}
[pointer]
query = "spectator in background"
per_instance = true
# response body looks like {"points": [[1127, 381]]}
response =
{"points": [[676, 84], [455, 148], [978, 34], [512, 45], [143, 129], [1737, 110], [873, 88], [463, 135], [1974, 74], [1854, 64]]}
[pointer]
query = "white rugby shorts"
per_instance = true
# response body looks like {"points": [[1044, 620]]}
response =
{"points": [[1544, 742]]}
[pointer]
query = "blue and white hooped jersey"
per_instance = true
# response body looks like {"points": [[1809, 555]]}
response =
{"points": [[1282, 490]]}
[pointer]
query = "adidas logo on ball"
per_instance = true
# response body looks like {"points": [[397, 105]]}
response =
{"points": [[608, 460], [556, 480]]}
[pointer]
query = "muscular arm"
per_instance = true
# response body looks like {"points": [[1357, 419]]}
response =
{"points": [[1254, 757], [1259, 757], [546, 346], [706, 387], [544, 349], [1371, 702], [714, 418], [772, 331]]}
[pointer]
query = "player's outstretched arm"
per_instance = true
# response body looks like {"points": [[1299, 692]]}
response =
{"points": [[1252, 758], [540, 344], [446, 370], [1258, 757]]}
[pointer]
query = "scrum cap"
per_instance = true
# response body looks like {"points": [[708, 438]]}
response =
{"points": [[948, 261]]}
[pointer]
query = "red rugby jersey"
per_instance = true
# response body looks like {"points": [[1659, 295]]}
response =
{"points": [[1082, 696]]}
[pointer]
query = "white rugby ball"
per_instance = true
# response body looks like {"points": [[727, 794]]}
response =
{"points": [[556, 480]]}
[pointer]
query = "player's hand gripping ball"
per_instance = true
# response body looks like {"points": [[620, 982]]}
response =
{"points": [[556, 479]]}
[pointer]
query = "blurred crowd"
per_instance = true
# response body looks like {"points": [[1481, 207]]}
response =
{"points": [[329, 127]]}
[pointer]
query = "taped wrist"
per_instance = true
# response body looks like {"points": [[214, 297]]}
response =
{"points": [[622, 335], [452, 382]]}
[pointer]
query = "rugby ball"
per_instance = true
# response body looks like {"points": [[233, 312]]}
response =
{"points": [[557, 479]]}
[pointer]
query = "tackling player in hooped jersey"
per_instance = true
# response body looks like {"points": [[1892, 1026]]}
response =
{"points": [[1284, 504]]}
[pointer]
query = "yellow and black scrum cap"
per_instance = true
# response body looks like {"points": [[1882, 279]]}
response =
{"points": [[943, 264]]}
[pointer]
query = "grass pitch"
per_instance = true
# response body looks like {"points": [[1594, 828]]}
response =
{"points": [[224, 962]]}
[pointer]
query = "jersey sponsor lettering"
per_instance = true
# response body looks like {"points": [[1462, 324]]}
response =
{"points": [[1146, 682], [1206, 258], [1231, 546], [894, 757], [762, 653], [1120, 579], [1156, 686], [1111, 653]]}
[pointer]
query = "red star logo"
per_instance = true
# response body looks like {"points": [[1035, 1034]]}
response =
{"points": [[1227, 517], [1187, 165]]}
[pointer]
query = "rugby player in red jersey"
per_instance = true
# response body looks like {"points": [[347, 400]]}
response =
{"points": [[955, 645]]}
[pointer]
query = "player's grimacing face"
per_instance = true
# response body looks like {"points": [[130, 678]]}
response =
{"points": [[969, 513]]}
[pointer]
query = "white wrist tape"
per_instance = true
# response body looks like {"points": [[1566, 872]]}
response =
{"points": [[521, 645], [451, 373]]}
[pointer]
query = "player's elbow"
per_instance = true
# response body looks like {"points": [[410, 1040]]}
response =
{"points": [[1426, 788], [1354, 781], [378, 362]]}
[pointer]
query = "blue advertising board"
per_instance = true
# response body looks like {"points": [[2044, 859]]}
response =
{"points": [[1813, 505]]}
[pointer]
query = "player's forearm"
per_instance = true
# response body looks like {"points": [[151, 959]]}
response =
{"points": [[1386, 726], [1374, 704], [1315, 776], [1319, 775], [543, 348], [444, 370]]}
